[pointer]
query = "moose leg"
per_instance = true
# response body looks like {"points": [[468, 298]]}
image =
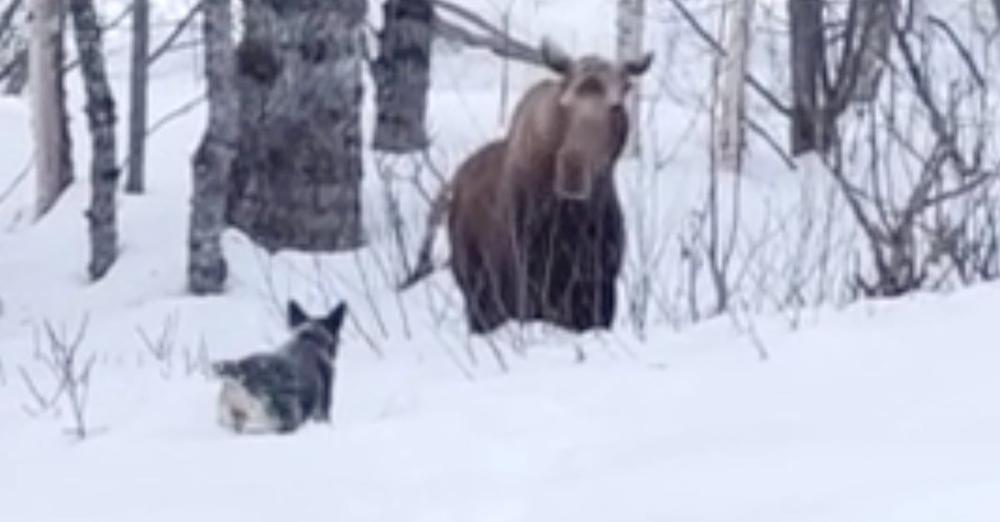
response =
{"points": [[484, 306], [607, 300], [591, 305], [483, 313]]}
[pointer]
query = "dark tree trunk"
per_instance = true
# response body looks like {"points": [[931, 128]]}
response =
{"points": [[402, 76], [206, 262], [136, 182], [809, 123], [296, 178], [101, 120]]}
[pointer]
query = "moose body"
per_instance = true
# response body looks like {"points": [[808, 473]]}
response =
{"points": [[535, 223]]}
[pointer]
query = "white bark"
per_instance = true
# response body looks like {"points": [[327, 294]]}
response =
{"points": [[100, 108], [52, 169], [732, 98], [207, 269], [631, 14]]}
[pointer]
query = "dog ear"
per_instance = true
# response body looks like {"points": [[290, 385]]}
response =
{"points": [[335, 320], [224, 368], [296, 315]]}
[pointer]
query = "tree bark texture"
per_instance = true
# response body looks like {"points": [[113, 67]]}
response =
{"points": [[808, 49], [631, 18], [402, 76], [296, 178], [206, 261], [100, 108], [136, 181], [876, 23], [732, 103], [53, 160], [13, 47]]}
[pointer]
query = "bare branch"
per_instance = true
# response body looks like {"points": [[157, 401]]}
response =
{"points": [[770, 97], [962, 50], [495, 40], [7, 16], [174, 35]]}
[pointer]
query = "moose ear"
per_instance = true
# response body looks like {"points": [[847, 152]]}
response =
{"points": [[333, 322], [638, 66], [296, 315], [554, 57]]}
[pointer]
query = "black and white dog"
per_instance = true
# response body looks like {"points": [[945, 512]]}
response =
{"points": [[277, 392]]}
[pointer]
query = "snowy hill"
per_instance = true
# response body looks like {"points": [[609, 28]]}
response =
{"points": [[877, 411]]}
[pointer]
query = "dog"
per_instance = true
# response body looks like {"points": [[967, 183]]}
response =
{"points": [[277, 392]]}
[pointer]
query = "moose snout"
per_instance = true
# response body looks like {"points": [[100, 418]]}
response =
{"points": [[573, 178]]}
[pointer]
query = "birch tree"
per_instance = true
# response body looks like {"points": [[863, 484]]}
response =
{"points": [[206, 261], [101, 119], [296, 179], [631, 14], [402, 76], [53, 163], [732, 99]]}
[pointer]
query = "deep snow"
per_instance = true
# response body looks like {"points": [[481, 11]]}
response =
{"points": [[882, 411]]}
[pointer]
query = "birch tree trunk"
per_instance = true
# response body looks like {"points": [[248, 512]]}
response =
{"points": [[53, 163], [296, 179], [732, 103], [402, 76], [101, 119], [631, 14], [213, 160], [136, 182]]}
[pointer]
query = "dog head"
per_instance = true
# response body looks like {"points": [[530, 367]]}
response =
{"points": [[318, 334]]}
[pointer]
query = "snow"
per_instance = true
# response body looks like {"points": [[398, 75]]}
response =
{"points": [[878, 411]]}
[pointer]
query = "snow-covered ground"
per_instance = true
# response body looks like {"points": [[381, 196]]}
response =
{"points": [[880, 411]]}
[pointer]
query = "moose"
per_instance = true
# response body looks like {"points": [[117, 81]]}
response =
{"points": [[534, 220]]}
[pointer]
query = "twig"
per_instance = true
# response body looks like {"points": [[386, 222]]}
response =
{"points": [[174, 35], [963, 51], [14, 184], [718, 48]]}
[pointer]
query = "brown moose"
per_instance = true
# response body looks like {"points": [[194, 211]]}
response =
{"points": [[534, 221]]}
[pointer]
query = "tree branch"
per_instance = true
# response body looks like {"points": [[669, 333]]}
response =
{"points": [[495, 40], [757, 86], [174, 35]]}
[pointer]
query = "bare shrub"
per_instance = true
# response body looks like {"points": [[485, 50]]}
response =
{"points": [[197, 361], [917, 173], [162, 348], [69, 373]]}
